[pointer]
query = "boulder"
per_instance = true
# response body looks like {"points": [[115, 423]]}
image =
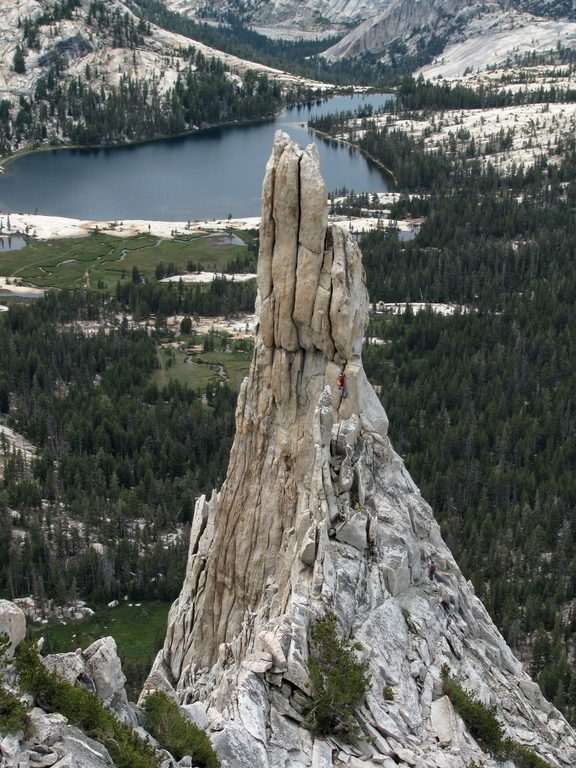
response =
{"points": [[105, 669], [354, 531], [69, 666], [307, 551], [196, 713], [272, 645], [443, 721], [345, 435], [321, 754], [13, 624]]}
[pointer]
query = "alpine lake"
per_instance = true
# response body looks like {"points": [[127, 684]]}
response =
{"points": [[207, 174]]}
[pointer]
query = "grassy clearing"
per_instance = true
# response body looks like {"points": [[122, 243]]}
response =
{"points": [[137, 630], [204, 368], [176, 366], [100, 261], [235, 364]]}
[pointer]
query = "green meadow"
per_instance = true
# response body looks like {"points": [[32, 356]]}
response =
{"points": [[138, 630], [203, 368], [99, 261]]}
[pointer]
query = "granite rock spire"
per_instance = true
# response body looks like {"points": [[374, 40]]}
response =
{"points": [[318, 513]]}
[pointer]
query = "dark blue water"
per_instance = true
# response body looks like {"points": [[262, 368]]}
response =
{"points": [[205, 175], [11, 243]]}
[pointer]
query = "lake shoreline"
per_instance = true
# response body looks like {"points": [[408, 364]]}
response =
{"points": [[367, 155], [199, 175], [336, 91], [43, 227], [8, 159]]}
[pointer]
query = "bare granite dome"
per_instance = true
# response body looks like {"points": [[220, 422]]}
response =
{"points": [[319, 513]]}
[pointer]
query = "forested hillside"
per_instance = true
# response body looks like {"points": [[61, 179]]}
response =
{"points": [[482, 404], [95, 73], [301, 57], [81, 112], [120, 459]]}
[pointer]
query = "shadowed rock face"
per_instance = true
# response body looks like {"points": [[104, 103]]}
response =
{"points": [[318, 513]]}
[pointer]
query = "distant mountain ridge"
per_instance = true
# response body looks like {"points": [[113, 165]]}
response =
{"points": [[415, 30], [413, 26], [414, 23], [317, 14]]}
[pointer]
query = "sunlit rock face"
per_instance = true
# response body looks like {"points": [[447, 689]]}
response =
{"points": [[318, 513], [12, 625]]}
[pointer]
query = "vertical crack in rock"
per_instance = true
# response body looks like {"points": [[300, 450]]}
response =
{"points": [[319, 513], [297, 305]]}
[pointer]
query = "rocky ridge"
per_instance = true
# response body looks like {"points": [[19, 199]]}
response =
{"points": [[87, 54], [80, 44], [413, 23], [318, 15], [415, 27], [52, 740], [319, 513]]}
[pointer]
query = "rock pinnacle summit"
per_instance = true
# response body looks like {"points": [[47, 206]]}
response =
{"points": [[318, 513]]}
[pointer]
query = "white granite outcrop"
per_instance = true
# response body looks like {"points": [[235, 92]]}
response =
{"points": [[12, 624], [99, 670]]}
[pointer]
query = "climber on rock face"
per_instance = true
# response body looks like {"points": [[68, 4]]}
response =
{"points": [[342, 385], [431, 570]]}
